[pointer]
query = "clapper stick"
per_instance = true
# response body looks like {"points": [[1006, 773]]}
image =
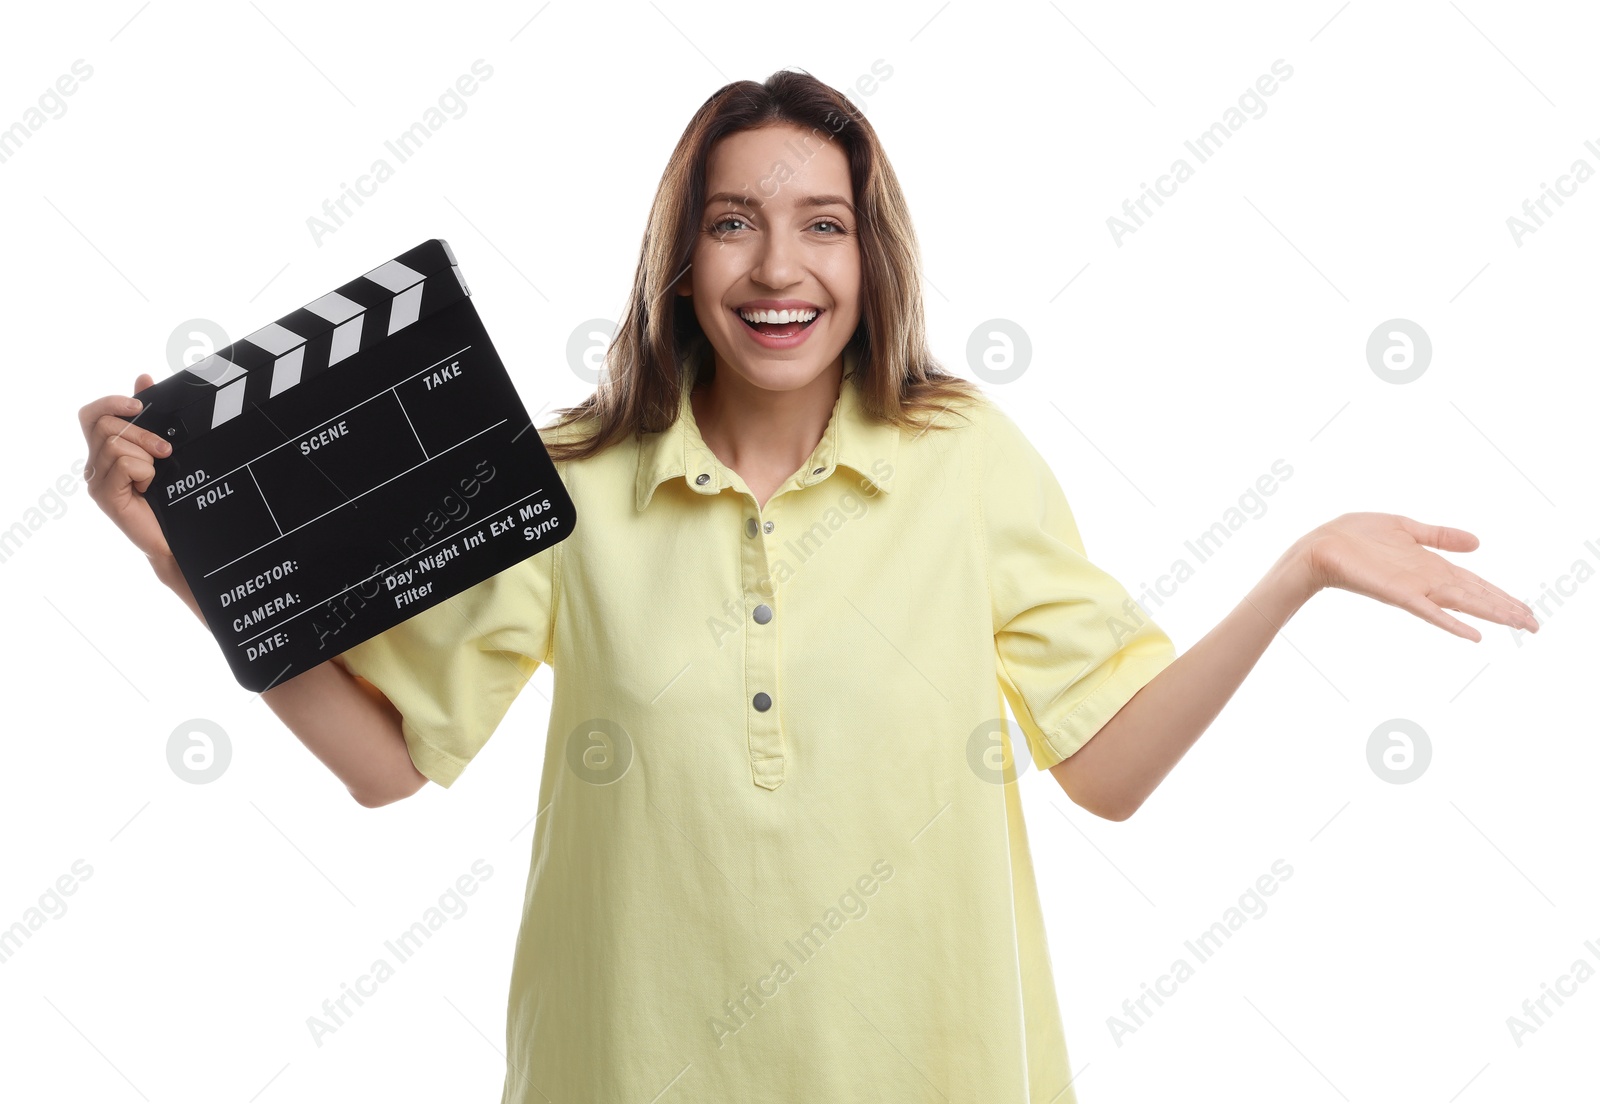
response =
{"points": [[348, 466]]}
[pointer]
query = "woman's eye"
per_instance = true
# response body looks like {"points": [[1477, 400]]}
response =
{"points": [[838, 227], [717, 226]]}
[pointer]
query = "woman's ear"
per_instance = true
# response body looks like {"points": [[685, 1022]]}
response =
{"points": [[685, 285]]}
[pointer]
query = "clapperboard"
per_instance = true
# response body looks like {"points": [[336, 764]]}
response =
{"points": [[347, 467]]}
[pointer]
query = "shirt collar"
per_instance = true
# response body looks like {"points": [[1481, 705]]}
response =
{"points": [[852, 439]]}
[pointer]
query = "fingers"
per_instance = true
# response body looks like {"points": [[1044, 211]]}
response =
{"points": [[109, 425], [119, 462], [140, 471], [125, 406], [90, 413], [122, 460], [1488, 607], [1432, 614], [1470, 593], [1471, 581]]}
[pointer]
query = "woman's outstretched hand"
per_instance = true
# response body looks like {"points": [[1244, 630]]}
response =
{"points": [[1387, 557]]}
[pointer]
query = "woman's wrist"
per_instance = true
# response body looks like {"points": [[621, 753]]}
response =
{"points": [[1289, 583], [167, 570], [171, 576], [1301, 566]]}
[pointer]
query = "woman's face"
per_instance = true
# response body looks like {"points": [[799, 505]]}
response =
{"points": [[778, 232]]}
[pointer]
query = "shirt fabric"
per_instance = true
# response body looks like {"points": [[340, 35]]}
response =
{"points": [[780, 854]]}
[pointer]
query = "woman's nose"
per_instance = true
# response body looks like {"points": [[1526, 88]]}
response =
{"points": [[775, 267]]}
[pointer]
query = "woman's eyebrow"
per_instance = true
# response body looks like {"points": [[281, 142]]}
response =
{"points": [[805, 201]]}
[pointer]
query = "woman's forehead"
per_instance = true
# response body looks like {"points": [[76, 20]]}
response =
{"points": [[784, 162]]}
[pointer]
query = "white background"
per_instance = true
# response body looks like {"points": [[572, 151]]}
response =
{"points": [[1228, 332]]}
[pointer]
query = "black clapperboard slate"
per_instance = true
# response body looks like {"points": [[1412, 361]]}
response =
{"points": [[348, 466]]}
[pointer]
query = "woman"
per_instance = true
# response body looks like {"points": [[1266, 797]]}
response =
{"points": [[778, 856]]}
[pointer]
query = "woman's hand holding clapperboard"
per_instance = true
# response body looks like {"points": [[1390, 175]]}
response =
{"points": [[287, 488]]}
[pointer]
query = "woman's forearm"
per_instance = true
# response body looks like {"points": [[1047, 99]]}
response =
{"points": [[1127, 758], [346, 723]]}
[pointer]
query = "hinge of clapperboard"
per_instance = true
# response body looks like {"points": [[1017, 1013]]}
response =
{"points": [[288, 348]]}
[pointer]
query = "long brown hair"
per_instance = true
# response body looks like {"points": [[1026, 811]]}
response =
{"points": [[898, 377]]}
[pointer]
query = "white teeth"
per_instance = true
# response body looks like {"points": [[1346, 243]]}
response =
{"points": [[777, 317]]}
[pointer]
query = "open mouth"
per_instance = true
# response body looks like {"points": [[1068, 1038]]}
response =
{"points": [[780, 329]]}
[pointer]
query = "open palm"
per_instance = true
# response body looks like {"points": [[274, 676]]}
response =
{"points": [[1387, 557]]}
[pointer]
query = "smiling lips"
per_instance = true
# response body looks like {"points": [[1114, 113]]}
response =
{"points": [[778, 324]]}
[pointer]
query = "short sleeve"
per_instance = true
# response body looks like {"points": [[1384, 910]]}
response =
{"points": [[1071, 646], [454, 669]]}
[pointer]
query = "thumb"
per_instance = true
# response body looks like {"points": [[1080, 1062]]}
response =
{"points": [[1440, 536]]}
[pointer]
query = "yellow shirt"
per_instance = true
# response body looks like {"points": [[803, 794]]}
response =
{"points": [[778, 857]]}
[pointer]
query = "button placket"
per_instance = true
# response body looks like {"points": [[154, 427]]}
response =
{"points": [[765, 732]]}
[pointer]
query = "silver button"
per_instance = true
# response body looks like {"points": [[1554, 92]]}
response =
{"points": [[750, 526], [702, 479], [819, 471], [762, 702], [767, 527], [762, 613]]}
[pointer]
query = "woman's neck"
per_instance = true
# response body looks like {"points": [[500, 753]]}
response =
{"points": [[764, 435]]}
